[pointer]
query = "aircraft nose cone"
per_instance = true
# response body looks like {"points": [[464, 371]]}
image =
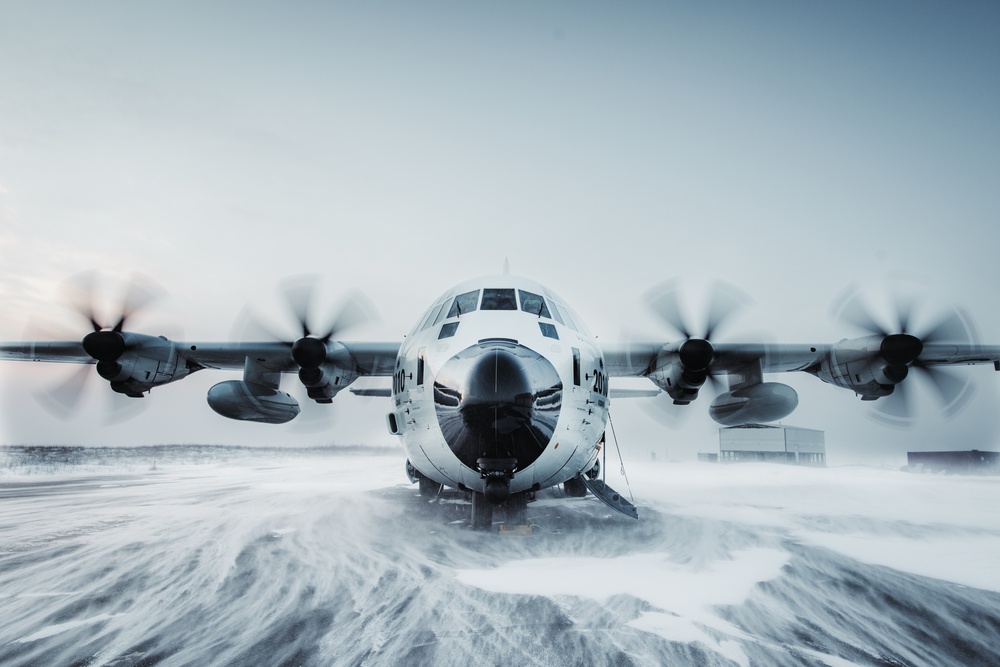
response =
{"points": [[497, 400], [498, 393]]}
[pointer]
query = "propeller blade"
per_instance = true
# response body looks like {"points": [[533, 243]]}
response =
{"points": [[122, 409], [725, 300], [356, 309], [313, 417], [952, 390], [78, 292], [662, 409], [664, 301], [896, 409], [139, 294], [848, 307], [298, 293], [62, 400], [955, 327], [717, 385], [903, 305], [249, 326]]}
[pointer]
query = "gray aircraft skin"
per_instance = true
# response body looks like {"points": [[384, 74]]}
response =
{"points": [[500, 390]]}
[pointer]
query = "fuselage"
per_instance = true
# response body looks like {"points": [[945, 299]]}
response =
{"points": [[500, 376]]}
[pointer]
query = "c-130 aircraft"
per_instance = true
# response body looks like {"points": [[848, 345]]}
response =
{"points": [[500, 390]]}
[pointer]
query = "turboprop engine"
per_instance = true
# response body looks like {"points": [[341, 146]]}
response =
{"points": [[682, 370], [135, 363]]}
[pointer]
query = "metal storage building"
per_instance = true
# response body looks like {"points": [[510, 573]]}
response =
{"points": [[780, 444], [967, 462]]}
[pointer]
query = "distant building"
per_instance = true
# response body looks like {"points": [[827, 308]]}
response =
{"points": [[779, 444], [962, 462], [708, 457]]}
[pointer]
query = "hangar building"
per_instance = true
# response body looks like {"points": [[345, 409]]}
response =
{"points": [[779, 444]]}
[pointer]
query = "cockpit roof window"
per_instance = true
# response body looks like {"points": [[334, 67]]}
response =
{"points": [[432, 316], [464, 303], [567, 317], [555, 312], [534, 304], [499, 299]]}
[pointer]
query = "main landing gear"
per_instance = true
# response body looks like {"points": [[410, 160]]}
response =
{"points": [[577, 487], [428, 487]]}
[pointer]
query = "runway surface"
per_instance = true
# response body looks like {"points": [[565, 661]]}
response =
{"points": [[320, 559]]}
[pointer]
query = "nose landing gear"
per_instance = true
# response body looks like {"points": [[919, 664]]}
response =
{"points": [[497, 473]]}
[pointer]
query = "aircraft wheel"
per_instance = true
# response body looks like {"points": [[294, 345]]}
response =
{"points": [[575, 488], [482, 512], [428, 487], [516, 509]]}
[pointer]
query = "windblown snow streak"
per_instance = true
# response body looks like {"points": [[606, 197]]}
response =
{"points": [[336, 560]]}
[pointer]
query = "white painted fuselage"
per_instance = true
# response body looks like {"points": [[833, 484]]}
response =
{"points": [[477, 323]]}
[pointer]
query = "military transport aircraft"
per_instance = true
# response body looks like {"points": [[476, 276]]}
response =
{"points": [[500, 390]]}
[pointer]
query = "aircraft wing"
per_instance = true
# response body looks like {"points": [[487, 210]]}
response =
{"points": [[873, 367], [68, 352], [641, 359], [368, 358]]}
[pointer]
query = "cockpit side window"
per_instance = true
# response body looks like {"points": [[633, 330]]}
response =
{"points": [[534, 304], [499, 299], [464, 303]]}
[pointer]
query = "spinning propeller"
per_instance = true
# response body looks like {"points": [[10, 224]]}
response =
{"points": [[901, 348], [105, 343], [696, 352], [309, 350]]}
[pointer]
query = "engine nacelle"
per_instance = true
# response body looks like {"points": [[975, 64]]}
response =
{"points": [[871, 366], [146, 362], [680, 372], [247, 401], [325, 382], [754, 404]]}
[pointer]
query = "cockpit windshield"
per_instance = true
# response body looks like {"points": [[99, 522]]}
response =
{"points": [[464, 303], [534, 304], [499, 299]]}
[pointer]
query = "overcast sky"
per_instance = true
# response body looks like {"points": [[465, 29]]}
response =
{"points": [[789, 148]]}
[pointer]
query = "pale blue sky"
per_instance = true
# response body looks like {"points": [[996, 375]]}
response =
{"points": [[790, 148]]}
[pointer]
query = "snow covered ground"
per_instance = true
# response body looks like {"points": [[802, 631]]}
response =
{"points": [[237, 558]]}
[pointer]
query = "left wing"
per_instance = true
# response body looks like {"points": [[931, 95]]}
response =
{"points": [[135, 363]]}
